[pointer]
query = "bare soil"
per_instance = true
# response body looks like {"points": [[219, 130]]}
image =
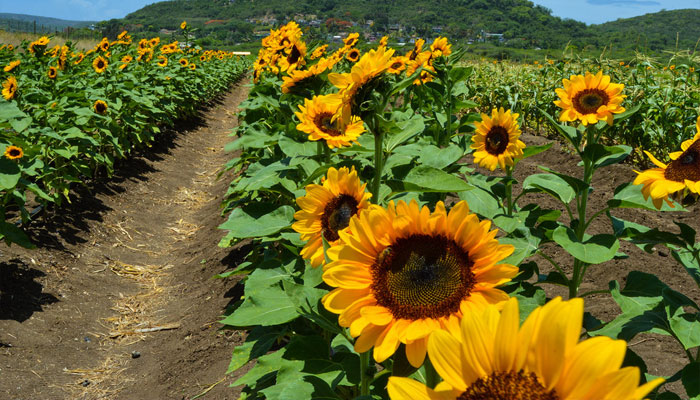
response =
{"points": [[118, 301]]}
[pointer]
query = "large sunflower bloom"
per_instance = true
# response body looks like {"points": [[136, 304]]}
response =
{"points": [[496, 140], [404, 272], [493, 357], [327, 209], [9, 88], [683, 172], [99, 64], [319, 118], [590, 99]]}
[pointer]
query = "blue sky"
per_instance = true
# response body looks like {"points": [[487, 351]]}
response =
{"points": [[589, 11]]}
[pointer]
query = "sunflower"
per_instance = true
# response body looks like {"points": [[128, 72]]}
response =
{"points": [[79, 58], [14, 152], [590, 99], [319, 118], [183, 25], [417, 49], [352, 55], [154, 42], [52, 72], [193, 66], [122, 35], [163, 61], [12, 65], [351, 39], [496, 140], [383, 41], [183, 62], [202, 58], [9, 88], [100, 107], [491, 356], [440, 47], [39, 44], [683, 172], [326, 209], [318, 52], [104, 45], [403, 272], [397, 65], [99, 64]]}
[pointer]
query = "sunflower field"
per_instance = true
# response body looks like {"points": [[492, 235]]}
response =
{"points": [[66, 115], [379, 263]]}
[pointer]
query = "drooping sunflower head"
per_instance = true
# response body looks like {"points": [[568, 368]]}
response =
{"points": [[38, 46], [296, 80], [99, 64], [353, 55], [163, 61], [14, 152], [9, 88], [496, 140], [79, 58], [320, 119], [441, 47], [12, 65], [383, 41], [676, 178], [417, 48], [183, 25], [100, 107], [590, 98], [403, 272], [318, 52], [491, 356], [326, 210], [370, 66], [52, 72]]}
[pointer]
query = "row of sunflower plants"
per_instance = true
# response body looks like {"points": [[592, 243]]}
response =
{"points": [[666, 97], [379, 263], [66, 115]]}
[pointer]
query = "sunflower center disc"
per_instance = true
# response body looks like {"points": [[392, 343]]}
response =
{"points": [[14, 153], [336, 216], [497, 140], [687, 166], [508, 386], [294, 55], [589, 100], [324, 122], [422, 276]]}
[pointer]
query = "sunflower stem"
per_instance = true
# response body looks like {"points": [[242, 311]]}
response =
{"points": [[364, 373], [509, 191], [378, 161]]}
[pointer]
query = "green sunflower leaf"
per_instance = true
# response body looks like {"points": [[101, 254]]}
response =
{"points": [[593, 250]]}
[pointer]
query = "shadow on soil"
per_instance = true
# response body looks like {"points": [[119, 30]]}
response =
{"points": [[70, 222], [20, 294]]}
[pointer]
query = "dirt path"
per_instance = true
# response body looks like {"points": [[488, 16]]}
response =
{"points": [[118, 301]]}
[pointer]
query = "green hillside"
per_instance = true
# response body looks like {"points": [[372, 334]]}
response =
{"points": [[657, 31], [25, 23], [520, 21]]}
